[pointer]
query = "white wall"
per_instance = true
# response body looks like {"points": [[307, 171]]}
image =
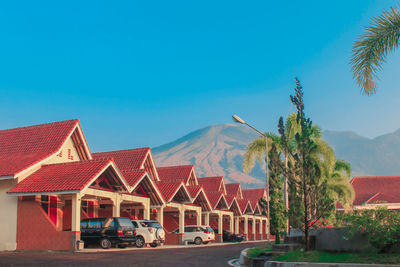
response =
{"points": [[8, 216]]}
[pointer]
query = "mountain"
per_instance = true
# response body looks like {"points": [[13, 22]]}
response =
{"points": [[219, 149]]}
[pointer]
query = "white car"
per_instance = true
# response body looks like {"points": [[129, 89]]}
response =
{"points": [[148, 232], [198, 234]]}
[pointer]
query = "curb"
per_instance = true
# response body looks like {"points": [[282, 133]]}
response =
{"points": [[100, 250], [321, 264]]}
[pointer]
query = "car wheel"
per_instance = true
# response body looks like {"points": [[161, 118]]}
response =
{"points": [[105, 243], [139, 242], [153, 245], [198, 241]]}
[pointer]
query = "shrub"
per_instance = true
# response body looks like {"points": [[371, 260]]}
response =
{"points": [[381, 226]]}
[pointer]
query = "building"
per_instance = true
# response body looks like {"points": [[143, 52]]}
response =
{"points": [[50, 180]]}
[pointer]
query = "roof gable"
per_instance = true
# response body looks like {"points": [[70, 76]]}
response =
{"points": [[174, 191], [182, 173], [70, 177], [24, 147], [213, 184], [254, 195], [373, 189], [132, 159], [234, 189]]}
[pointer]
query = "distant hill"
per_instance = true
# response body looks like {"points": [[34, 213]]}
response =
{"points": [[219, 149]]}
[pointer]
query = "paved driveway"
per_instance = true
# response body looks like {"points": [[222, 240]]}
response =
{"points": [[191, 256]]}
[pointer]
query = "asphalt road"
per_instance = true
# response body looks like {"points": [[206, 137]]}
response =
{"points": [[193, 256]]}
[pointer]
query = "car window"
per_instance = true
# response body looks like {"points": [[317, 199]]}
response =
{"points": [[188, 229], [84, 224], [109, 223], [151, 224], [125, 222], [94, 224], [210, 229], [135, 225]]}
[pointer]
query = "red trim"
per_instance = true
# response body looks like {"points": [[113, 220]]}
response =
{"points": [[76, 232], [180, 233], [219, 234]]}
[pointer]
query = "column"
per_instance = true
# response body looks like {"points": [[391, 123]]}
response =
{"points": [[116, 206], [231, 224], [237, 221], [254, 228], [207, 218], [246, 228], [181, 224], [261, 230], [160, 215], [220, 227], [76, 221], [198, 217], [146, 210]]}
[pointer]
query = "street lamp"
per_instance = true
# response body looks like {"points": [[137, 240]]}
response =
{"points": [[241, 121]]}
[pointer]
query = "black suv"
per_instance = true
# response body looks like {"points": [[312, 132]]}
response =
{"points": [[112, 231]]}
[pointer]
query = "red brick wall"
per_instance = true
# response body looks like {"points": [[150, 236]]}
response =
{"points": [[171, 239], [35, 230]]}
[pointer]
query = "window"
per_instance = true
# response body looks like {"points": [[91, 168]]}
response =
{"points": [[95, 224], [84, 224], [109, 223], [135, 225], [49, 206], [88, 208]]}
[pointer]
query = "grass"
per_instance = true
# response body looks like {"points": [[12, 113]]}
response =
{"points": [[318, 256], [257, 251]]}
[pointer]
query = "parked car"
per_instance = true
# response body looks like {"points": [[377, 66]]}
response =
{"points": [[198, 234], [108, 232], [229, 237], [148, 232]]}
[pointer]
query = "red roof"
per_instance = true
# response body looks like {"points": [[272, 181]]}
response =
{"points": [[214, 198], [243, 204], [253, 195], [168, 189], [194, 190], [372, 189], [229, 199], [233, 189], [73, 176], [175, 173], [211, 184], [133, 177], [22, 147], [126, 160]]}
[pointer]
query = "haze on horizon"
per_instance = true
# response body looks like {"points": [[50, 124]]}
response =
{"points": [[144, 74]]}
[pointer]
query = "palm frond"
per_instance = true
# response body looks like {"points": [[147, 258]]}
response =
{"points": [[370, 51]]}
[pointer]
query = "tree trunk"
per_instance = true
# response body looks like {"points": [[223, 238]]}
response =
{"points": [[285, 190], [306, 227]]}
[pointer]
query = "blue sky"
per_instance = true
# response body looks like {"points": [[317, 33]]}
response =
{"points": [[143, 73]]}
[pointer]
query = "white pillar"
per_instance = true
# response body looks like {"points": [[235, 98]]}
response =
{"points": [[146, 210], [261, 229], [254, 228], [237, 221], [116, 206], [246, 226], [160, 215], [207, 218], [76, 213], [198, 217], [220, 227], [181, 224], [231, 229]]}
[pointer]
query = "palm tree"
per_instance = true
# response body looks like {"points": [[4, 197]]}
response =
{"points": [[370, 51]]}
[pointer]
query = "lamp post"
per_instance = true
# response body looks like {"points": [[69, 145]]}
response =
{"points": [[241, 121]]}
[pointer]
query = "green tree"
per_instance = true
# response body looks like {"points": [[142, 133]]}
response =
{"points": [[370, 51]]}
